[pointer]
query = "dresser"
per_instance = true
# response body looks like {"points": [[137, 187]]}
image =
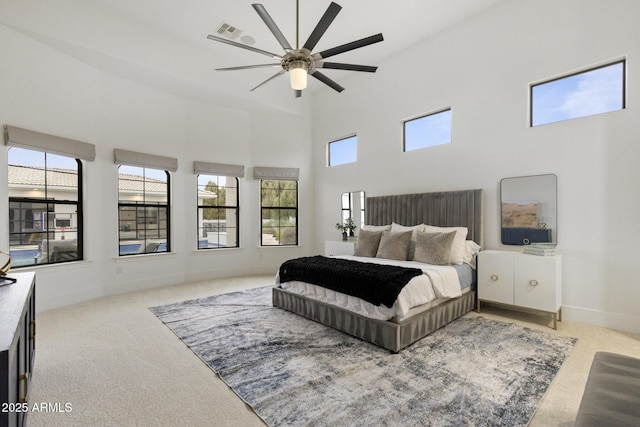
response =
{"points": [[339, 247], [521, 280], [17, 347]]}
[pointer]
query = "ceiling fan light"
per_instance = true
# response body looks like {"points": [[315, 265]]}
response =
{"points": [[298, 78]]}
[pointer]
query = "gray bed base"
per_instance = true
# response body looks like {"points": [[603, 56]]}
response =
{"points": [[445, 209], [386, 334]]}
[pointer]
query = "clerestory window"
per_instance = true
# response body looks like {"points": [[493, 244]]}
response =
{"points": [[586, 93]]}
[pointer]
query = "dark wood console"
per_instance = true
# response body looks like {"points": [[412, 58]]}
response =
{"points": [[17, 347]]}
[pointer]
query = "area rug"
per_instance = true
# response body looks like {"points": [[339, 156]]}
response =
{"points": [[293, 371]]}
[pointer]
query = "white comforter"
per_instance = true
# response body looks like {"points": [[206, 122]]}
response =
{"points": [[438, 281]]}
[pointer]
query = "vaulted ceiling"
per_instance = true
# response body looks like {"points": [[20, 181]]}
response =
{"points": [[163, 43]]}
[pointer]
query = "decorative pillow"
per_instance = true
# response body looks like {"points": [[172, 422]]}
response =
{"points": [[394, 245], [376, 227], [396, 228], [457, 249], [368, 242], [434, 248]]}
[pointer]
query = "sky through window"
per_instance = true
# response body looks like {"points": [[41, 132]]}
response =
{"points": [[596, 91]]}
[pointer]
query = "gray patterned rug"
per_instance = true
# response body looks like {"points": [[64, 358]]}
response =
{"points": [[292, 371]]}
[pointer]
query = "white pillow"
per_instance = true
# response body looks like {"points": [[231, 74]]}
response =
{"points": [[376, 227], [471, 249], [397, 228], [458, 247]]}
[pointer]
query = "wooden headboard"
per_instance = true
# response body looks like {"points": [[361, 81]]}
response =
{"points": [[444, 209]]}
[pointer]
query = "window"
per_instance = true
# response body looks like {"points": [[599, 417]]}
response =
{"points": [[143, 210], [343, 151], [45, 207], [427, 131], [279, 212], [595, 91], [217, 212]]}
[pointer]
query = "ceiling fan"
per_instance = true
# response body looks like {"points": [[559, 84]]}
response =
{"points": [[300, 62]]}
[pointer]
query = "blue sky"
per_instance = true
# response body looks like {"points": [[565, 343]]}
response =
{"points": [[22, 157], [343, 151], [427, 131], [585, 94]]}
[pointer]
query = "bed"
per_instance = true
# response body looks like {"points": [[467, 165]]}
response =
{"points": [[398, 327]]}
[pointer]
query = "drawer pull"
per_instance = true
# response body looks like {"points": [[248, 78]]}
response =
{"points": [[494, 277], [533, 282]]}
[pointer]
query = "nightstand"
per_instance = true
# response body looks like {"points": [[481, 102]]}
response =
{"points": [[339, 247], [521, 280]]}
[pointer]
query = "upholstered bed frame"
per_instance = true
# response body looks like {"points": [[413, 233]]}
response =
{"points": [[444, 209]]}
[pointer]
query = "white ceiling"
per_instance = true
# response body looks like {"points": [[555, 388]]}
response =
{"points": [[162, 43]]}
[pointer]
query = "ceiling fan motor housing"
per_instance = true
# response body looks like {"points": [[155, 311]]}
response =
{"points": [[298, 59]]}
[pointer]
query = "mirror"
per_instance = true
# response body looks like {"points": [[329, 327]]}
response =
{"points": [[353, 207], [529, 209]]}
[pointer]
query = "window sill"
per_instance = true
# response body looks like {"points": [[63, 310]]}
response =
{"points": [[61, 266], [138, 257], [215, 250]]}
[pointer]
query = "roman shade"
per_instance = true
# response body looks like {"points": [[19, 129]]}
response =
{"points": [[218, 169], [288, 174], [31, 140], [132, 158]]}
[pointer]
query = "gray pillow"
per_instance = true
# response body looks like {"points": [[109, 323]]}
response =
{"points": [[394, 245], [434, 248], [367, 244]]}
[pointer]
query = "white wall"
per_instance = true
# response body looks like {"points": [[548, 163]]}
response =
{"points": [[482, 70], [45, 90]]}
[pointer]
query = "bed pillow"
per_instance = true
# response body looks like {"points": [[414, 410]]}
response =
{"points": [[394, 245], [367, 243], [458, 247], [397, 228], [471, 249], [376, 227], [434, 248]]}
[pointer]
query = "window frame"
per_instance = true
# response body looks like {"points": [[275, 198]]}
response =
{"points": [[50, 203], [236, 207], [145, 205], [344, 139], [424, 116], [280, 207], [622, 61]]}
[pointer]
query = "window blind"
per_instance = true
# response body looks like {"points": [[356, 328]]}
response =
{"points": [[289, 174], [218, 169], [132, 158], [31, 140]]}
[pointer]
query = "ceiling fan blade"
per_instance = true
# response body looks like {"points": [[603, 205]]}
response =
{"points": [[351, 46], [244, 46], [322, 25], [279, 73], [249, 67], [298, 93], [272, 26], [350, 67], [326, 80]]}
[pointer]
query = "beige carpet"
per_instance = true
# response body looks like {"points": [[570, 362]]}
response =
{"points": [[116, 364]]}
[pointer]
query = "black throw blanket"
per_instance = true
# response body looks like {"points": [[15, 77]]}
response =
{"points": [[374, 283]]}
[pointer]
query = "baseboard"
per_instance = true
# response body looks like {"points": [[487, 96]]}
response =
{"points": [[620, 322], [46, 301], [221, 273], [49, 302]]}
